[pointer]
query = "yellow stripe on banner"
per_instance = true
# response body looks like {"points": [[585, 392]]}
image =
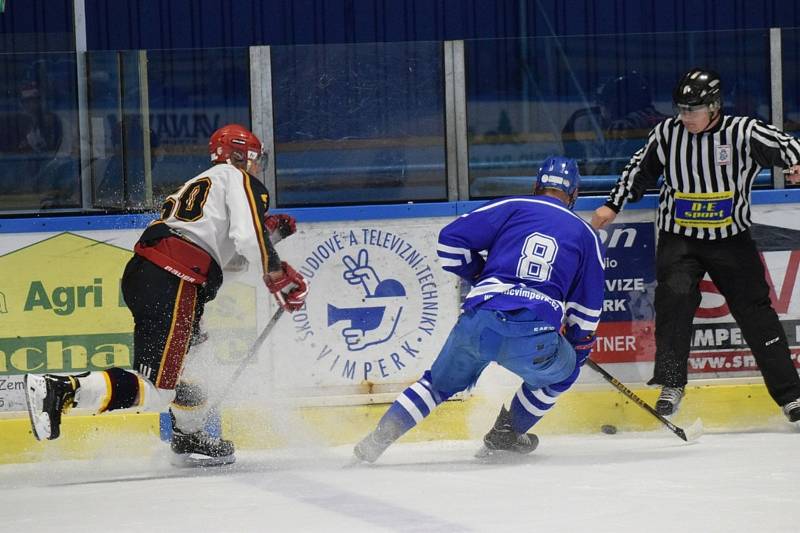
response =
{"points": [[721, 407], [124, 435]]}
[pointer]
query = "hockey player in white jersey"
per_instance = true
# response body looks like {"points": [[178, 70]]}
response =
{"points": [[543, 271], [216, 218]]}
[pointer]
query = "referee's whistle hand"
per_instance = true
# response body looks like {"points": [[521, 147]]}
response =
{"points": [[793, 174], [602, 217]]}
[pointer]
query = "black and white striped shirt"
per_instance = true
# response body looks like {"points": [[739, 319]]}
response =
{"points": [[708, 177]]}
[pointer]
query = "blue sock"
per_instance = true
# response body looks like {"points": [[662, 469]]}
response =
{"points": [[413, 404], [530, 405]]}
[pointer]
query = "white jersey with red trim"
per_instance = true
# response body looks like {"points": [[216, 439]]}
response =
{"points": [[222, 210]]}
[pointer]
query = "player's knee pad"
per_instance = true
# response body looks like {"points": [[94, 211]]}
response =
{"points": [[454, 370], [189, 395], [190, 407], [438, 393], [555, 362]]}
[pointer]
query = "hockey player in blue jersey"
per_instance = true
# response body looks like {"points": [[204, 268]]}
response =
{"points": [[535, 269]]}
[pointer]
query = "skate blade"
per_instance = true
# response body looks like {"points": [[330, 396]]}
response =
{"points": [[355, 462], [40, 421], [489, 456], [188, 460]]}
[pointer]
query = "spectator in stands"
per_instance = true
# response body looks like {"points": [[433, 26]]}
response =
{"points": [[599, 137], [42, 129], [54, 178]]}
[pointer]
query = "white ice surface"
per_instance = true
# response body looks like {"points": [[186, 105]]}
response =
{"points": [[649, 482]]}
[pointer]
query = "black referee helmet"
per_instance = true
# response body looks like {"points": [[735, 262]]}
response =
{"points": [[698, 88]]}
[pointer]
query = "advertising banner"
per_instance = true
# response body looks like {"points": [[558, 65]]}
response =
{"points": [[378, 311], [62, 310], [626, 333]]}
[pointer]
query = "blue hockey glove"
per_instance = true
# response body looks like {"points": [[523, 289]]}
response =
{"points": [[583, 348]]}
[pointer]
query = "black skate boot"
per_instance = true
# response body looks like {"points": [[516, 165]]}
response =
{"points": [[669, 400], [792, 411], [200, 449], [373, 445], [48, 397], [503, 441]]}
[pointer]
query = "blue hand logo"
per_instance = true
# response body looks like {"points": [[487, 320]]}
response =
{"points": [[374, 323]]}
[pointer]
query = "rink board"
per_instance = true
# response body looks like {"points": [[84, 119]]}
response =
{"points": [[61, 311], [735, 407]]}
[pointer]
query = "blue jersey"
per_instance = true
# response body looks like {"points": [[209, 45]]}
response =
{"points": [[538, 255]]}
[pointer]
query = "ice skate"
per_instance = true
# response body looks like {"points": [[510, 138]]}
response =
{"points": [[200, 449], [503, 442], [373, 445], [48, 397], [792, 411], [369, 449], [669, 400]]}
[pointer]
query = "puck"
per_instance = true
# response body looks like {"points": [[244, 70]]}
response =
{"points": [[608, 429]]}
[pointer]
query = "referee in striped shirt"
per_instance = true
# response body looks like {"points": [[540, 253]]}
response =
{"points": [[709, 162]]}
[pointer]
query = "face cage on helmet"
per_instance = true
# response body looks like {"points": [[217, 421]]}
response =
{"points": [[257, 158], [682, 108], [252, 157]]}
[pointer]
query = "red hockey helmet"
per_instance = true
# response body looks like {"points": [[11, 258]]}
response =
{"points": [[236, 145]]}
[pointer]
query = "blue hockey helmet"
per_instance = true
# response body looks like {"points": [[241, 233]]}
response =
{"points": [[559, 173]]}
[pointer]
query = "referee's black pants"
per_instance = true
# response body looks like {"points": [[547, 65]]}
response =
{"points": [[735, 267]]}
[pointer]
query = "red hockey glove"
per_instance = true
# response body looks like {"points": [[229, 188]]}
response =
{"points": [[285, 225], [290, 289]]}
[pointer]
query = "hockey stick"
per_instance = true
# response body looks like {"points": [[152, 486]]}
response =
{"points": [[694, 430], [251, 353]]}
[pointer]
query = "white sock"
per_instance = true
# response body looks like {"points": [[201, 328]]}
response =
{"points": [[94, 392]]}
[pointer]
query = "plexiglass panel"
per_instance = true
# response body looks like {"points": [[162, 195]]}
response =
{"points": [[363, 123], [359, 123], [191, 94], [791, 83], [594, 98], [39, 146]]}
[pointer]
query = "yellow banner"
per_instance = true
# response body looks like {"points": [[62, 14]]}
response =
{"points": [[64, 285]]}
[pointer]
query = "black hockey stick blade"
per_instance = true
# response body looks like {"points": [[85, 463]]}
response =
{"points": [[695, 430]]}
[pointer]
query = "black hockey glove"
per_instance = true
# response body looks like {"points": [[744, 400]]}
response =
{"points": [[285, 225]]}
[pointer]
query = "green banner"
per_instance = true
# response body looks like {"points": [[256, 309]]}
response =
{"points": [[65, 353]]}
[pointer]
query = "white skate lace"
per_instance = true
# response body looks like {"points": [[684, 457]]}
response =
{"points": [[671, 395], [791, 406]]}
